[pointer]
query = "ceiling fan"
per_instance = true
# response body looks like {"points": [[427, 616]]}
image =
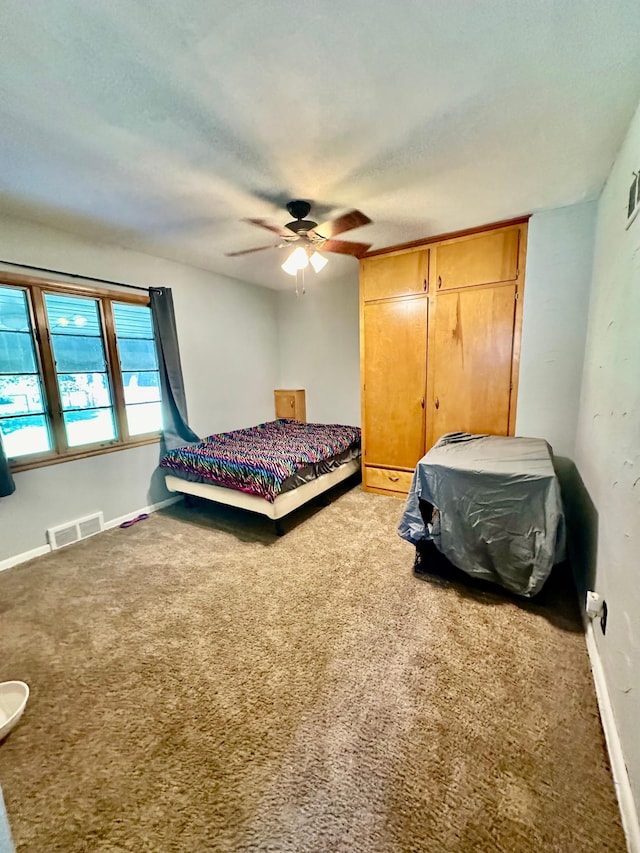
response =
{"points": [[310, 239]]}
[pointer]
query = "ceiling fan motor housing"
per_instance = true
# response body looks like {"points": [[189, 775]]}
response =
{"points": [[301, 226], [300, 209]]}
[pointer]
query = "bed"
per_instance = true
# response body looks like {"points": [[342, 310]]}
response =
{"points": [[272, 468]]}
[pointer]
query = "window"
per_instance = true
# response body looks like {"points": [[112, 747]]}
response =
{"points": [[139, 367], [78, 371], [80, 361], [25, 426]]}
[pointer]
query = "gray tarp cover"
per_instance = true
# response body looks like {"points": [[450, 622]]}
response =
{"points": [[499, 508]]}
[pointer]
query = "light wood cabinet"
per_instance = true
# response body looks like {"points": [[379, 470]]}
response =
{"points": [[440, 345], [290, 404], [394, 380], [398, 275], [488, 258], [470, 348], [387, 479]]}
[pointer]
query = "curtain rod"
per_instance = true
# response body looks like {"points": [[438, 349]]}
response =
{"points": [[76, 275]]}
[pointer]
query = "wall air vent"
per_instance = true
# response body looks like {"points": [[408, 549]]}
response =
{"points": [[91, 525], [74, 531]]}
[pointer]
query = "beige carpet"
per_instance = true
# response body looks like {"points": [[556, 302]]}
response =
{"points": [[199, 684]]}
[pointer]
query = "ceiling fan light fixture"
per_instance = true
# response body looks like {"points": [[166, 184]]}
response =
{"points": [[311, 237], [297, 260], [317, 261]]}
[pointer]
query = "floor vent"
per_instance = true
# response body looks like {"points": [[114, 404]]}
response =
{"points": [[74, 531]]}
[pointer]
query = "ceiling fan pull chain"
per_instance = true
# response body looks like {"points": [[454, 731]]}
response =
{"points": [[300, 282]]}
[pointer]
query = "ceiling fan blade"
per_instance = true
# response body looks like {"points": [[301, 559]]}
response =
{"points": [[277, 229], [345, 247], [352, 219], [248, 251]]}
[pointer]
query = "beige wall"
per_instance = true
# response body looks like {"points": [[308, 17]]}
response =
{"points": [[319, 347], [228, 342], [608, 446], [319, 342], [556, 305]]}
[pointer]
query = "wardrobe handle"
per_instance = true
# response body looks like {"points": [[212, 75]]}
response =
{"points": [[422, 402], [425, 284], [439, 282], [393, 479], [437, 403]]}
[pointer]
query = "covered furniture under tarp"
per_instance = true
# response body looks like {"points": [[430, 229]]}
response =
{"points": [[497, 510]]}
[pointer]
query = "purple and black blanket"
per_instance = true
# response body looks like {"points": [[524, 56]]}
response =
{"points": [[259, 459]]}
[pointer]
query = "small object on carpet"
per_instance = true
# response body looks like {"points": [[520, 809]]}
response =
{"points": [[132, 521]]}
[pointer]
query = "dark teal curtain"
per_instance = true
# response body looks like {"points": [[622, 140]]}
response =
{"points": [[176, 432], [7, 486]]}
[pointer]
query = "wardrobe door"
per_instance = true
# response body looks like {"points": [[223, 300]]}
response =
{"points": [[470, 361], [394, 378], [488, 258], [394, 275]]}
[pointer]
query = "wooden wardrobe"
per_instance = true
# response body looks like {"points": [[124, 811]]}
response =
{"points": [[440, 325]]}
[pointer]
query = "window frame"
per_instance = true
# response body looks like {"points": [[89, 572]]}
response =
{"points": [[36, 287]]}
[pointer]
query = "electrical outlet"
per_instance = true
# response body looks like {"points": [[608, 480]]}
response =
{"points": [[593, 605], [603, 617]]}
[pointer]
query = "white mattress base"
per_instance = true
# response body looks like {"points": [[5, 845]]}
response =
{"points": [[283, 504]]}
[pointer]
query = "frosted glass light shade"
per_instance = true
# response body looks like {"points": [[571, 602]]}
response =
{"points": [[297, 260], [317, 261]]}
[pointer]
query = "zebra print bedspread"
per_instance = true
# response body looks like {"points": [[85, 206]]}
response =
{"points": [[259, 459]]}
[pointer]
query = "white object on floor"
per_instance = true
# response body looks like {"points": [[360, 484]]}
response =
{"points": [[13, 698]]}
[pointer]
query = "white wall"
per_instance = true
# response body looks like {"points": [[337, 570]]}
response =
{"points": [[319, 347], [228, 342], [238, 342], [608, 444], [319, 344], [556, 305]]}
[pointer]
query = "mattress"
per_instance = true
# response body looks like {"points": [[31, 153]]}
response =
{"points": [[268, 459]]}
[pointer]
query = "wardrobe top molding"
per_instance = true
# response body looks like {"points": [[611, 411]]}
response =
{"points": [[416, 245]]}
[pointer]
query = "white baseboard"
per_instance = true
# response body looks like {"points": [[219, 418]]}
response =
{"points": [[114, 522], [22, 558], [621, 782]]}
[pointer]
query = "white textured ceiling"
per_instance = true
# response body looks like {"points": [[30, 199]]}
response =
{"points": [[160, 125]]}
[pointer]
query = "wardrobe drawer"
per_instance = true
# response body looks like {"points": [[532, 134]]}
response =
{"points": [[387, 478]]}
